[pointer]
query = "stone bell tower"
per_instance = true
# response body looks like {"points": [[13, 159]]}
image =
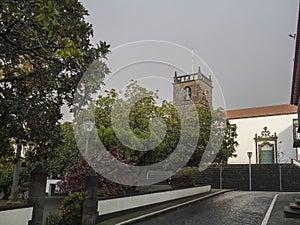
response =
{"points": [[192, 89]]}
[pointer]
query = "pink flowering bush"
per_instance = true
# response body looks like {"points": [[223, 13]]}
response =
{"points": [[74, 179]]}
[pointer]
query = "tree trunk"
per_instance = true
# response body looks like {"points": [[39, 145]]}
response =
{"points": [[16, 175], [6, 192]]}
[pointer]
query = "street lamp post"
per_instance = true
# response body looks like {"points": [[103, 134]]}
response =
{"points": [[280, 177], [279, 166], [88, 127], [221, 175], [250, 181]]}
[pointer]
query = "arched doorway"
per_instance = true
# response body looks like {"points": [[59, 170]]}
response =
{"points": [[266, 147]]}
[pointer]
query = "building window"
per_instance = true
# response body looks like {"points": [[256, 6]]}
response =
{"points": [[187, 93]]}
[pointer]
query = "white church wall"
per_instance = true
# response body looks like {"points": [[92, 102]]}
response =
{"points": [[248, 127]]}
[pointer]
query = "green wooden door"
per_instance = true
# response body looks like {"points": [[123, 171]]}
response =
{"points": [[266, 156]]}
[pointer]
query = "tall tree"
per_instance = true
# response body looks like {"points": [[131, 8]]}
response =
{"points": [[148, 108], [144, 107], [45, 49], [229, 144], [212, 127]]}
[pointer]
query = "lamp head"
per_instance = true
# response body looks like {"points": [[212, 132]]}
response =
{"points": [[249, 154], [88, 125]]}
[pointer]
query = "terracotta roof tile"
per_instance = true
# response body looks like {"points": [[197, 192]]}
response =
{"points": [[261, 111]]}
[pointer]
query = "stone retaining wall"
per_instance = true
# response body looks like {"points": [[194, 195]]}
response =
{"points": [[236, 176]]}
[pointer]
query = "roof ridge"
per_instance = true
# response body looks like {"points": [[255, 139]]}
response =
{"points": [[261, 111], [267, 106]]}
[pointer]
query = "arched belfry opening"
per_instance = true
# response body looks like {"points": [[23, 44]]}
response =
{"points": [[187, 93]]}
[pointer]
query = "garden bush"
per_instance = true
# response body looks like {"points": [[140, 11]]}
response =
{"points": [[54, 219], [72, 209]]}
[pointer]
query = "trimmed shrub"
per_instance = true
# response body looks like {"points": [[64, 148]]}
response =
{"points": [[72, 209]]}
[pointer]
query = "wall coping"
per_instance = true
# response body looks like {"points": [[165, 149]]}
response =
{"points": [[138, 193], [11, 207]]}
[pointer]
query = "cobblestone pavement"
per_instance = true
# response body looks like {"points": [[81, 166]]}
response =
{"points": [[232, 208]]}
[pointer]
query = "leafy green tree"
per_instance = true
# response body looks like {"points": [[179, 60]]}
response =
{"points": [[5, 181], [205, 120], [229, 144], [144, 108], [6, 175], [148, 108], [66, 154], [6, 149], [45, 49], [60, 158], [142, 111], [214, 129]]}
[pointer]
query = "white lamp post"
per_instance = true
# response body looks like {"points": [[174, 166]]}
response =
{"points": [[221, 174], [279, 158], [88, 126], [250, 181]]}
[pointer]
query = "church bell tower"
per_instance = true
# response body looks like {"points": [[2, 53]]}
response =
{"points": [[192, 89]]}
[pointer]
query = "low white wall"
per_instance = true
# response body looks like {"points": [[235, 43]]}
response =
{"points": [[20, 216], [49, 182], [119, 204]]}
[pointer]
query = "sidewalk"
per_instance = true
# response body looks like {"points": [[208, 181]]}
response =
{"points": [[277, 216], [159, 208]]}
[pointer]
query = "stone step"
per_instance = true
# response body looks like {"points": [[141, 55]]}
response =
{"points": [[298, 201], [295, 206], [291, 213]]}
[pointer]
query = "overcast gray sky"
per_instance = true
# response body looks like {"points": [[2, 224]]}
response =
{"points": [[244, 42]]}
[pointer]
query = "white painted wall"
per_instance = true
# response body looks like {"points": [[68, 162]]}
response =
{"points": [[50, 182], [248, 127], [16, 216], [119, 204]]}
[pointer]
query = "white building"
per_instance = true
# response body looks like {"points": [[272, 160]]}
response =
{"points": [[267, 132]]}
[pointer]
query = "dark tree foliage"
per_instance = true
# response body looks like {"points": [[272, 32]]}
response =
{"points": [[64, 155], [45, 48], [147, 108]]}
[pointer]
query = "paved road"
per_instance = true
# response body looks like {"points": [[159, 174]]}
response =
{"points": [[232, 208]]}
